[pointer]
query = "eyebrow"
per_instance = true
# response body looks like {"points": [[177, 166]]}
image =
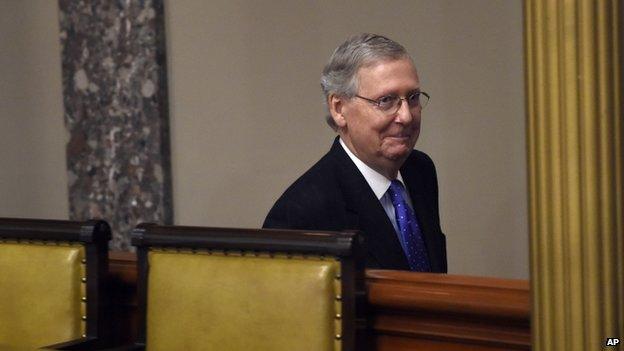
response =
{"points": [[417, 90]]}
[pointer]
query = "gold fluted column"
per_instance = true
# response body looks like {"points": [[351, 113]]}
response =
{"points": [[574, 137]]}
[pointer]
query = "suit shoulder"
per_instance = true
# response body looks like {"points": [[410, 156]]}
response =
{"points": [[315, 184], [309, 200], [420, 159]]}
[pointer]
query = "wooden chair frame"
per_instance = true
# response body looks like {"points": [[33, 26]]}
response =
{"points": [[94, 235], [347, 246]]}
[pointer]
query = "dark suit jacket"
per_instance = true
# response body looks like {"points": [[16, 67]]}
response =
{"points": [[333, 195]]}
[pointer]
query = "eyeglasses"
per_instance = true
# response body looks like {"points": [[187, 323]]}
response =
{"points": [[390, 104]]}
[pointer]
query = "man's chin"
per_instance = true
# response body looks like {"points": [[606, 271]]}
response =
{"points": [[398, 146], [397, 153]]}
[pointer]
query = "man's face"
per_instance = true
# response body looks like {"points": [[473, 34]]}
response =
{"points": [[381, 140]]}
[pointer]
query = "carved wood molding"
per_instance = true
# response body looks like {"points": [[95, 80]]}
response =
{"points": [[411, 309]]}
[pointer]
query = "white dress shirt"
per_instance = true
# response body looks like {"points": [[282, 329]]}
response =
{"points": [[380, 185]]}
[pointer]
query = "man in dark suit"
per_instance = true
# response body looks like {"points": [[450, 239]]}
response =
{"points": [[372, 179]]}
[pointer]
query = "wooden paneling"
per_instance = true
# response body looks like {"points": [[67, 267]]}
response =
{"points": [[123, 285], [447, 312], [407, 310]]}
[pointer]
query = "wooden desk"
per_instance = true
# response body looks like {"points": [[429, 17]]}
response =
{"points": [[407, 310], [447, 312]]}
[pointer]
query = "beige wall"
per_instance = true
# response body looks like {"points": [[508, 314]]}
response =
{"points": [[246, 113], [33, 181]]}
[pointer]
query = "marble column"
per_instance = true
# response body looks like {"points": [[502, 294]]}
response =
{"points": [[116, 113]]}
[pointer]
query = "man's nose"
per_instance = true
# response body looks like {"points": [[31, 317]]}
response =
{"points": [[404, 114]]}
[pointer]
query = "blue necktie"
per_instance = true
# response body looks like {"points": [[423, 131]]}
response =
{"points": [[409, 233]]}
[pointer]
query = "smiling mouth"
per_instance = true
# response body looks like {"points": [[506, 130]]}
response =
{"points": [[400, 137]]}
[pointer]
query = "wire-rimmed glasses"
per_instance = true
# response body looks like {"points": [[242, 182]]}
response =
{"points": [[390, 104]]}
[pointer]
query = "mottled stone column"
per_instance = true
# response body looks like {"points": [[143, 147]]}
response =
{"points": [[116, 113]]}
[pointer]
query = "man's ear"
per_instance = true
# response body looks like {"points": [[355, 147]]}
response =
{"points": [[337, 109]]}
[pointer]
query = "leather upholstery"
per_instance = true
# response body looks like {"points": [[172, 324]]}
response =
{"points": [[40, 293], [213, 301]]}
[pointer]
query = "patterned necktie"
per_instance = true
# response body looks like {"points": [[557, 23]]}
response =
{"points": [[409, 233]]}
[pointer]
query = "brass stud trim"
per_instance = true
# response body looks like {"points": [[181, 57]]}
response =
{"points": [[83, 299], [83, 261], [338, 316], [338, 336], [84, 280], [338, 297], [84, 318]]}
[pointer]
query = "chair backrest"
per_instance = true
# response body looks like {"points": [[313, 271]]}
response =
{"points": [[247, 289], [50, 273]]}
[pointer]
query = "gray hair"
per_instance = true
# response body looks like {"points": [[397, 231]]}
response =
{"points": [[340, 74]]}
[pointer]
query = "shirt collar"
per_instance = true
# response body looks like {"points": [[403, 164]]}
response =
{"points": [[378, 182]]}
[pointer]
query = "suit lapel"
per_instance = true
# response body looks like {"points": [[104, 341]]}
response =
{"points": [[364, 212]]}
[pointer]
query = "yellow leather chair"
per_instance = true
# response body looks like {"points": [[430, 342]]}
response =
{"points": [[248, 289], [50, 289]]}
